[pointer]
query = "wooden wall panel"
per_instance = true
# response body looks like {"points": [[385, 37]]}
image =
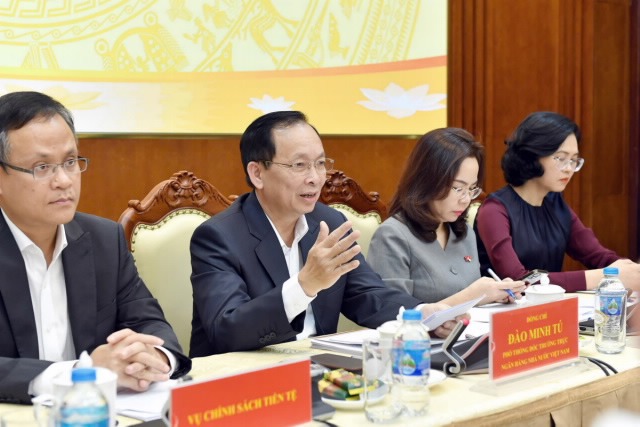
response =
{"points": [[516, 67], [570, 56], [609, 152], [127, 168], [124, 168]]}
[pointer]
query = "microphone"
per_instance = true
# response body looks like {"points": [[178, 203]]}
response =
{"points": [[456, 365]]}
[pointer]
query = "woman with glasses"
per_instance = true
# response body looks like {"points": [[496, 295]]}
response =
{"points": [[425, 248], [527, 225]]}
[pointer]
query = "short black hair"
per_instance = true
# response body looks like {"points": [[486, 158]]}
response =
{"points": [[17, 109], [256, 143], [539, 135]]}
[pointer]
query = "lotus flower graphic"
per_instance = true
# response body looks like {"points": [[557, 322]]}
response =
{"points": [[400, 103], [267, 104]]}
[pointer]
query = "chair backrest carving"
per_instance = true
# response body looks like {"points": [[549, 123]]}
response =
{"points": [[159, 229], [182, 191], [339, 189], [364, 209]]}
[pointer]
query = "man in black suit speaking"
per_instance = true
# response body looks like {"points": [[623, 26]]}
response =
{"points": [[68, 282], [277, 265]]}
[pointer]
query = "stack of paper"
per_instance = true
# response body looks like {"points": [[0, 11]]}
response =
{"points": [[347, 342], [147, 405]]}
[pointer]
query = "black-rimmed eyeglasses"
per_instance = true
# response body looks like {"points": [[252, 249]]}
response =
{"points": [[47, 170]]}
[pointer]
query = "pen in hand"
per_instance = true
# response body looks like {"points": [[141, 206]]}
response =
{"points": [[497, 279]]}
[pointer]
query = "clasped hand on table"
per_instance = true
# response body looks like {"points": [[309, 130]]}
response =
{"points": [[134, 358]]}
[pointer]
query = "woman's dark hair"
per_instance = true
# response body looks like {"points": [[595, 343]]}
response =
{"points": [[430, 171], [539, 135]]}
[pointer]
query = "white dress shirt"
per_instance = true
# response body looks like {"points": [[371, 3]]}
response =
{"points": [[49, 301], [294, 298], [48, 295]]}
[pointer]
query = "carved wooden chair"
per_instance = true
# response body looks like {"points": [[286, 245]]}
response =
{"points": [[365, 210], [159, 229]]}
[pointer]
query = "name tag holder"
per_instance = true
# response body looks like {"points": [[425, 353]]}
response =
{"points": [[530, 343], [277, 395]]}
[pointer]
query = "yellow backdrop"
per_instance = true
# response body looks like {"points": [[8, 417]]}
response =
{"points": [[206, 67]]}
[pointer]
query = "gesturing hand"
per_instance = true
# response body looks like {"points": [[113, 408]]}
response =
{"points": [[329, 258], [134, 358]]}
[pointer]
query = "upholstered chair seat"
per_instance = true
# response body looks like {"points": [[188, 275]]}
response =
{"points": [[159, 230]]}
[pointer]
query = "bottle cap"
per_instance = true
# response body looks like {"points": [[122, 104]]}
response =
{"points": [[81, 375], [611, 271], [412, 315], [84, 361]]}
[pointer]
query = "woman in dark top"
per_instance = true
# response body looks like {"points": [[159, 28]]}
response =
{"points": [[528, 225]]}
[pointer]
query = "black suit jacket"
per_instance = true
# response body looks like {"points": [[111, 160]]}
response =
{"points": [[104, 294], [238, 269]]}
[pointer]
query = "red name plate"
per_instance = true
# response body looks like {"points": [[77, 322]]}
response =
{"points": [[274, 396], [530, 338]]}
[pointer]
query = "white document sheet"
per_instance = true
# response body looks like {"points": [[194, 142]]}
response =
{"points": [[483, 313], [146, 405], [439, 317]]}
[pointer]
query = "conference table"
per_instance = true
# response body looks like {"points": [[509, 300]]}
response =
{"points": [[568, 396], [564, 397]]}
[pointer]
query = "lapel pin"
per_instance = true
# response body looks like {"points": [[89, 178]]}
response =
{"points": [[467, 258]]}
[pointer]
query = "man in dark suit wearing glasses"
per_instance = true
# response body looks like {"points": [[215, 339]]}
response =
{"points": [[277, 265], [68, 282]]}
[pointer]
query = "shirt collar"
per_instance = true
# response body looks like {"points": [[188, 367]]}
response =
{"points": [[301, 229], [25, 242]]}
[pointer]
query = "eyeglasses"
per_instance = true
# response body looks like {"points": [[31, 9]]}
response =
{"points": [[47, 170], [574, 164], [300, 168], [461, 192]]}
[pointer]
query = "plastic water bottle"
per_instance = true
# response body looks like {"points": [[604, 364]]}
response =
{"points": [[610, 317], [411, 364], [84, 405]]}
